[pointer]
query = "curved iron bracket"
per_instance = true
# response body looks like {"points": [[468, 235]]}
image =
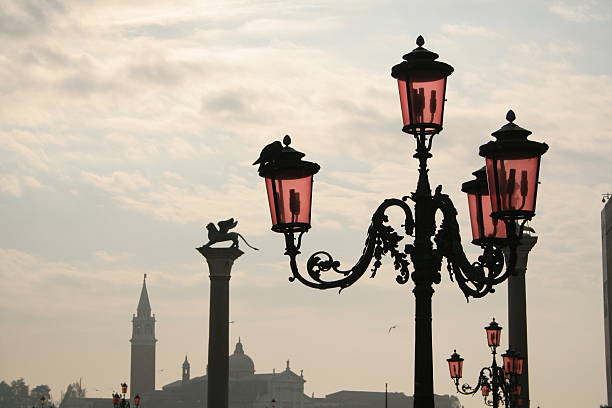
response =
{"points": [[381, 239], [474, 279], [478, 278], [467, 389]]}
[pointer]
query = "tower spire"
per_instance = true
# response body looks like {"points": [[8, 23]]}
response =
{"points": [[186, 370], [142, 366], [144, 307]]}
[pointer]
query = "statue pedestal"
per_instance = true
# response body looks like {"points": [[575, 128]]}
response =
{"points": [[220, 261]]}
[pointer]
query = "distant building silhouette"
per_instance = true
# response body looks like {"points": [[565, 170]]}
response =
{"points": [[606, 243], [186, 370], [142, 367], [250, 390], [246, 388]]}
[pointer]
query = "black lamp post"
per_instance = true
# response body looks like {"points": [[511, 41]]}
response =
{"points": [[44, 403], [119, 401], [497, 384], [508, 200]]}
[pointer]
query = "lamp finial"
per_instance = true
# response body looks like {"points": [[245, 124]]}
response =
{"points": [[510, 116], [420, 41]]}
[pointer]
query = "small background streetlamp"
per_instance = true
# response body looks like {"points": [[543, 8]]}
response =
{"points": [[44, 403], [119, 401], [496, 384]]}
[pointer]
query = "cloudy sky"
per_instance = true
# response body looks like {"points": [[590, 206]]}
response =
{"points": [[126, 126]]}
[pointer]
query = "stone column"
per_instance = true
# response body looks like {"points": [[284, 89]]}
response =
{"points": [[517, 309], [220, 261]]}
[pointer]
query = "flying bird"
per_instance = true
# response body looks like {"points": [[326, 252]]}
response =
{"points": [[393, 327]]}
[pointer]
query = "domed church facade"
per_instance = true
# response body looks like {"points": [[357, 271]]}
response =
{"points": [[246, 388], [240, 365]]}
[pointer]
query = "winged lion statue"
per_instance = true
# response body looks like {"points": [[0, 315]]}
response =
{"points": [[221, 233]]}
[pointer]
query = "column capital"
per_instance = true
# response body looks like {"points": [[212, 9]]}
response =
{"points": [[525, 245], [220, 260]]}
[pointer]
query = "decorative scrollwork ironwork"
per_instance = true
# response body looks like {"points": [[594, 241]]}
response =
{"points": [[474, 279], [500, 386], [381, 239], [467, 389]]}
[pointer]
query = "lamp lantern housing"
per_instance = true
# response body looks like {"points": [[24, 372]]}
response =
{"points": [[485, 229], [493, 334], [508, 361], [289, 186], [513, 168], [422, 89], [518, 363], [455, 366]]}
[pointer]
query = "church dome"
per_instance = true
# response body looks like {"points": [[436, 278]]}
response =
{"points": [[240, 364]]}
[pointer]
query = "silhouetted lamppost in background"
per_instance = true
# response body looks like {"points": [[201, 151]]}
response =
{"points": [[512, 171], [119, 401], [44, 403], [497, 384]]}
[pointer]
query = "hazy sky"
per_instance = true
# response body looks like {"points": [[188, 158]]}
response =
{"points": [[126, 126]]}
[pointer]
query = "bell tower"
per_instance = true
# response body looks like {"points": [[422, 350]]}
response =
{"points": [[186, 370], [142, 367]]}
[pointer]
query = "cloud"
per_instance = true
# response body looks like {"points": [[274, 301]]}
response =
{"points": [[27, 150], [108, 257], [466, 30], [582, 12], [28, 17], [117, 182], [267, 27], [16, 184]]}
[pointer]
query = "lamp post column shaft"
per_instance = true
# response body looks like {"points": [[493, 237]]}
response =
{"points": [[220, 261], [495, 380], [517, 312], [423, 355], [424, 276]]}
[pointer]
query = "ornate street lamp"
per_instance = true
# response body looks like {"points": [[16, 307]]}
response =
{"points": [[501, 382], [120, 401], [514, 163], [44, 403], [116, 400], [513, 167], [289, 186], [493, 334], [485, 228], [455, 366]]}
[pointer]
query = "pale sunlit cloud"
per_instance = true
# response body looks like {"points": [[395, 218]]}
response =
{"points": [[465, 30], [580, 12]]}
